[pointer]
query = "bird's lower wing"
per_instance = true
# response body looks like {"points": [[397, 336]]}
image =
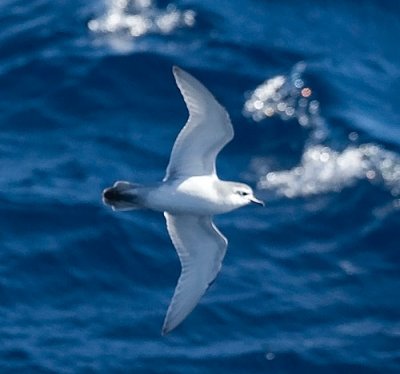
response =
{"points": [[201, 248]]}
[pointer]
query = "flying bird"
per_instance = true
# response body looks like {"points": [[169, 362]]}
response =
{"points": [[190, 195]]}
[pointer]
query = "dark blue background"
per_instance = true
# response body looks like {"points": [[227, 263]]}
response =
{"points": [[310, 284]]}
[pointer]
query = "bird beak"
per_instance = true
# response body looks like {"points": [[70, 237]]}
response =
{"points": [[254, 200]]}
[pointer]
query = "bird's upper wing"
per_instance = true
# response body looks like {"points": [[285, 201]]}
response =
{"points": [[206, 132], [201, 248]]}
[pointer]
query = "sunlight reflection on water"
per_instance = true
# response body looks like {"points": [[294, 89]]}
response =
{"points": [[321, 169], [135, 18]]}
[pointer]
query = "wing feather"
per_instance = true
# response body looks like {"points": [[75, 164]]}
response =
{"points": [[201, 248], [206, 132]]}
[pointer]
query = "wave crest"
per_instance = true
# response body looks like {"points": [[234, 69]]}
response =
{"points": [[136, 18], [321, 168]]}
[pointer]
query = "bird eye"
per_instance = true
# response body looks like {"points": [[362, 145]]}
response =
{"points": [[242, 193]]}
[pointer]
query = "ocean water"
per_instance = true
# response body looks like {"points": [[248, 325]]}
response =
{"points": [[310, 283]]}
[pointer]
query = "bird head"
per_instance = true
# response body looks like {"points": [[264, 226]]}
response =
{"points": [[242, 195]]}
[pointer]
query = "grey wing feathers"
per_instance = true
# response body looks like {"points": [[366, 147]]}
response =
{"points": [[201, 248], [206, 132]]}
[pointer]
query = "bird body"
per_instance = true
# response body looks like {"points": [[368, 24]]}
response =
{"points": [[189, 195], [202, 195]]}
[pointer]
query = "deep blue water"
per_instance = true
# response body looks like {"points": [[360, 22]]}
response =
{"points": [[310, 284]]}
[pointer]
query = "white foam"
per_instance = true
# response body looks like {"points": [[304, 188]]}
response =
{"points": [[324, 170], [135, 18], [287, 97], [321, 169]]}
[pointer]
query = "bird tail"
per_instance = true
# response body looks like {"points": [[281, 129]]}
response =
{"points": [[123, 196]]}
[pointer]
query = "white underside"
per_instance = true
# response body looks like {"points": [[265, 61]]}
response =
{"points": [[195, 195]]}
